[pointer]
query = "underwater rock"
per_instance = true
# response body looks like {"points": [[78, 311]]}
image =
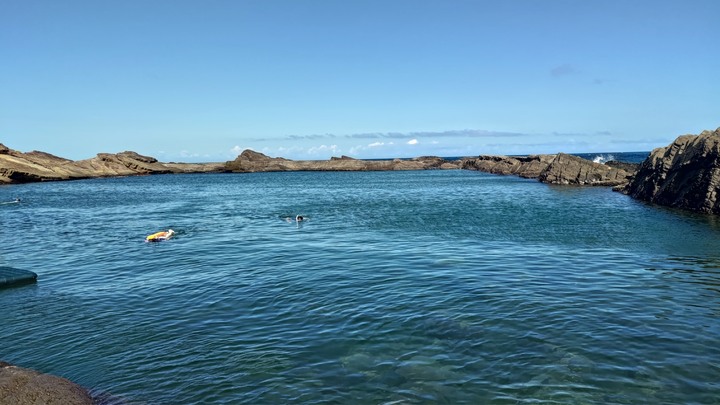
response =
{"points": [[22, 386]]}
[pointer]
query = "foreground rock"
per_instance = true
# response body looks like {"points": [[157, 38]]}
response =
{"points": [[21, 386], [685, 174], [553, 169], [250, 161], [18, 167]]}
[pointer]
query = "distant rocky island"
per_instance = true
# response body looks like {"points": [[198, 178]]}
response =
{"points": [[685, 174]]}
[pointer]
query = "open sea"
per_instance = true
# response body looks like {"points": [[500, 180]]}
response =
{"points": [[420, 287]]}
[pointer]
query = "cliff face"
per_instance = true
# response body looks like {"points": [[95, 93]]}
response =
{"points": [[685, 174], [552, 169]]}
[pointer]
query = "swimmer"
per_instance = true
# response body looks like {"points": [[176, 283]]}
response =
{"points": [[156, 237], [299, 218]]}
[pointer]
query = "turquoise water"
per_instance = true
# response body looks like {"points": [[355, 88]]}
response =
{"points": [[454, 287]]}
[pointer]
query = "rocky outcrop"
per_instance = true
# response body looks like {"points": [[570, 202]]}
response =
{"points": [[684, 174], [553, 169], [524, 166], [569, 169], [250, 161], [21, 386], [18, 167]]}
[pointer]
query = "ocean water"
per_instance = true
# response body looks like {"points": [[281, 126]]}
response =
{"points": [[627, 157], [425, 287]]}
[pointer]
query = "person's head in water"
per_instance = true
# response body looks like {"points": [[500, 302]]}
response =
{"points": [[299, 218]]}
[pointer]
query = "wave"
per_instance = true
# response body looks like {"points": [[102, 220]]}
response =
{"points": [[603, 158]]}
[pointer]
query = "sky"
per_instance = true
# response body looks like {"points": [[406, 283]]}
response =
{"points": [[201, 81]]}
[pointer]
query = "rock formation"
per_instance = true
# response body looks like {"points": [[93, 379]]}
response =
{"points": [[524, 166], [685, 174], [569, 169], [251, 161], [553, 169], [21, 386], [18, 167]]}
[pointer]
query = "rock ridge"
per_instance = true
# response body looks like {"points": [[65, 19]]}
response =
{"points": [[250, 161], [18, 167], [560, 168]]}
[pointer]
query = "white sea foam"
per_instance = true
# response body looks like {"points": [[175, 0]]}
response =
{"points": [[603, 158]]}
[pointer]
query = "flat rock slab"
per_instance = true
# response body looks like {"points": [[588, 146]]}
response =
{"points": [[22, 386], [11, 277]]}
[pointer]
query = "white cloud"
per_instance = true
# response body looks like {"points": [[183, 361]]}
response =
{"points": [[188, 154], [376, 144], [315, 150], [412, 142], [236, 150]]}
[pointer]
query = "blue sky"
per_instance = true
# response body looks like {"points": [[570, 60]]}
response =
{"points": [[202, 80]]}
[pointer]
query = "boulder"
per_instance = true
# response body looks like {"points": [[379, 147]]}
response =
{"points": [[684, 174], [22, 386]]}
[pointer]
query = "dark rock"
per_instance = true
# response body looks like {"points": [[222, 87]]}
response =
{"points": [[14, 277], [685, 174], [631, 168], [570, 169], [21, 386], [524, 166]]}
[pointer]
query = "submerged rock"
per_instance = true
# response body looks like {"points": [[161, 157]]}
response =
{"points": [[22, 386], [684, 174]]}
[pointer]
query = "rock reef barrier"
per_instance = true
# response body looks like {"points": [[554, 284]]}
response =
{"points": [[554, 169], [685, 174]]}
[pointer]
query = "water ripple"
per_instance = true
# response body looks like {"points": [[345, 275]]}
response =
{"points": [[402, 288]]}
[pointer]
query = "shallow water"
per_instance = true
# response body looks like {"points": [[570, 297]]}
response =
{"points": [[402, 287]]}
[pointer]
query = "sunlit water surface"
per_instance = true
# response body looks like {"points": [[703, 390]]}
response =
{"points": [[453, 287]]}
